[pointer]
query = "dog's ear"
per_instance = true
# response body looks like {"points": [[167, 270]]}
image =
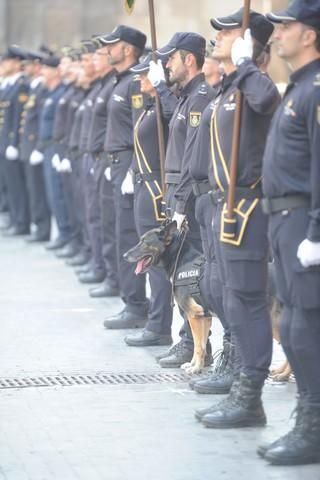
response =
{"points": [[168, 232]]}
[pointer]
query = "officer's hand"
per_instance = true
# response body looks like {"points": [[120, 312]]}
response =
{"points": [[55, 162], [12, 153], [309, 253], [107, 173], [65, 166], [242, 48], [36, 157], [179, 218], [127, 186], [156, 73]]}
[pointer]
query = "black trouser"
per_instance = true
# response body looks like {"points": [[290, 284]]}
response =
{"points": [[211, 285], [244, 275], [17, 193], [3, 186], [108, 223], [78, 177], [39, 208], [132, 287], [160, 309], [195, 238], [298, 289], [93, 214]]}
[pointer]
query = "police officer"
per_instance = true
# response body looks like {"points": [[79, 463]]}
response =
{"points": [[291, 179], [60, 161], [125, 46], [102, 214], [29, 127], [76, 110], [14, 98], [96, 273], [45, 149], [148, 213], [242, 252], [185, 53]]}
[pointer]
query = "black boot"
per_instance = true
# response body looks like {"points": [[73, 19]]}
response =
{"points": [[220, 381], [201, 412], [302, 445], [244, 409], [262, 449]]}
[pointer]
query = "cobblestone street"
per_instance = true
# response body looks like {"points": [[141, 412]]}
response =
{"points": [[51, 328]]}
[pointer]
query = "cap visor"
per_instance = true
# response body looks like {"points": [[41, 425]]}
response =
{"points": [[109, 39], [141, 67], [279, 17], [223, 23], [165, 51]]}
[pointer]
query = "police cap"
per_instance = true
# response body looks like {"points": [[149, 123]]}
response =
{"points": [[51, 61], [32, 56], [126, 34], [303, 11], [143, 66], [14, 51], [261, 28], [192, 42]]}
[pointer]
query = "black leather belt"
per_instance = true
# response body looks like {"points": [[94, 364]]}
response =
{"points": [[174, 178], [200, 188], [241, 192], [288, 202], [147, 177], [113, 157]]}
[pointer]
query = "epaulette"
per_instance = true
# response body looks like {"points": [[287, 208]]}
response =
{"points": [[203, 88], [316, 81]]}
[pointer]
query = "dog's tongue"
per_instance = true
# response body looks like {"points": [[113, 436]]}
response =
{"points": [[139, 267]]}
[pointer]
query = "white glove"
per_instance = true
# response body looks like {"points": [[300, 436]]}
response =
{"points": [[127, 186], [242, 48], [65, 166], [179, 218], [107, 173], [36, 157], [12, 153], [156, 73], [309, 253], [55, 162]]}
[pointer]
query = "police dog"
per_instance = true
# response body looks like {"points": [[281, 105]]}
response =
{"points": [[170, 249]]}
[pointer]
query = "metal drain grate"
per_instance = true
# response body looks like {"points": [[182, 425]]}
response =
{"points": [[99, 379]]}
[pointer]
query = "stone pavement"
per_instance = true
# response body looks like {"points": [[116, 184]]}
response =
{"points": [[50, 326]]}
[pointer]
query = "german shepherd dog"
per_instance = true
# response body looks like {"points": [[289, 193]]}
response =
{"points": [[170, 249]]}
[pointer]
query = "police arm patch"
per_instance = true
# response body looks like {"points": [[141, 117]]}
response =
{"points": [[137, 101], [194, 119]]}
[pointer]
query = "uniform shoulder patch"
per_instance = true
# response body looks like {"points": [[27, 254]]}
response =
{"points": [[137, 101], [23, 97], [203, 90], [194, 119]]}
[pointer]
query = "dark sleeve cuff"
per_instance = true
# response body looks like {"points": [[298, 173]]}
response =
{"points": [[181, 207], [314, 231]]}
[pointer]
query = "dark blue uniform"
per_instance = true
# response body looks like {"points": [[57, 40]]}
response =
{"points": [[61, 131], [119, 147], [291, 180], [243, 258], [14, 98], [47, 146], [147, 210], [29, 127], [101, 205], [196, 179], [183, 127]]}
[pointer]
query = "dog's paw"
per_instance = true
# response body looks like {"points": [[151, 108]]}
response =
{"points": [[191, 369], [186, 365]]}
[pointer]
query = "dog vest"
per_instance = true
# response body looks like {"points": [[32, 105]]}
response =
{"points": [[189, 275]]}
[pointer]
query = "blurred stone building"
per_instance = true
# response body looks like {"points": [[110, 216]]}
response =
{"points": [[61, 22]]}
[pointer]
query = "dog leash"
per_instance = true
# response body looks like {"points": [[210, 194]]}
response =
{"points": [[184, 231]]}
